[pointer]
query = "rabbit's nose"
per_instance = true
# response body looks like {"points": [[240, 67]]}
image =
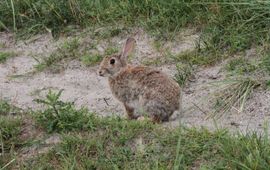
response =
{"points": [[100, 72]]}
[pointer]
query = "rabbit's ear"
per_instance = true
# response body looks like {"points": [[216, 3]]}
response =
{"points": [[129, 46]]}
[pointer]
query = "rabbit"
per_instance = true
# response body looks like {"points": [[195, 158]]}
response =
{"points": [[144, 91]]}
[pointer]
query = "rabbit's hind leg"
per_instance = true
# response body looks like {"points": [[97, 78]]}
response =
{"points": [[156, 118], [129, 111], [156, 111]]}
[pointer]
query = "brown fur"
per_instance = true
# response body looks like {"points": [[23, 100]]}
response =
{"points": [[142, 90]]}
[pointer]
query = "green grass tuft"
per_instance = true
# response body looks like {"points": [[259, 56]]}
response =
{"points": [[265, 62], [198, 57], [10, 128], [7, 109], [9, 131], [241, 66], [4, 56], [184, 72], [233, 25], [233, 93], [62, 116], [111, 50], [92, 142], [90, 60], [118, 145], [68, 50]]}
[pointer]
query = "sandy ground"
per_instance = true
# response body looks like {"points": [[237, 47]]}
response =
{"points": [[82, 85]]}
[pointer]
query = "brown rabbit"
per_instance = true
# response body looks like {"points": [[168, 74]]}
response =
{"points": [[142, 90]]}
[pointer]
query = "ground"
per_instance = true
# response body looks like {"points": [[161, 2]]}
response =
{"points": [[57, 113], [21, 83]]}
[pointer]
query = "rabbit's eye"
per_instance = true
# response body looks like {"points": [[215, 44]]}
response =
{"points": [[112, 61]]}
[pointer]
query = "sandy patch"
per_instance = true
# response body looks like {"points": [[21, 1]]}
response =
{"points": [[82, 85]]}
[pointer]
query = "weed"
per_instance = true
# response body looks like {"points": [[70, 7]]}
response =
{"points": [[10, 128], [116, 143], [90, 60], [111, 50], [2, 45], [143, 147], [233, 93], [108, 32], [6, 55], [228, 25], [240, 66], [152, 61], [184, 72], [68, 50], [7, 109], [62, 116], [199, 57], [9, 131], [265, 62]]}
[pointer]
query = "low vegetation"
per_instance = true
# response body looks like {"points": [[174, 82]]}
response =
{"points": [[183, 74], [233, 93], [90, 60], [117, 143], [68, 50], [233, 25], [226, 28], [10, 128], [244, 76], [6, 55], [60, 116], [74, 48]]}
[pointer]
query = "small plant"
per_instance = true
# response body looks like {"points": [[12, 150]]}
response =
{"points": [[240, 66], [62, 116], [9, 131], [152, 61], [5, 55], [184, 72], [233, 94], [200, 57], [265, 62], [6, 108], [121, 146], [111, 50], [69, 50], [90, 60], [108, 32]]}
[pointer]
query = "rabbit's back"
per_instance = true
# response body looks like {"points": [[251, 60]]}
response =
{"points": [[141, 84]]}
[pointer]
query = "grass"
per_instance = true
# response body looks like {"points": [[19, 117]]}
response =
{"points": [[60, 116], [240, 66], [130, 145], [68, 50], [229, 25], [92, 142], [199, 57], [7, 109], [265, 62], [71, 49], [90, 60], [184, 72], [117, 143], [4, 56], [10, 129], [244, 76], [233, 94], [75, 48]]}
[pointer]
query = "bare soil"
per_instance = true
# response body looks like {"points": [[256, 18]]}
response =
{"points": [[82, 85]]}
